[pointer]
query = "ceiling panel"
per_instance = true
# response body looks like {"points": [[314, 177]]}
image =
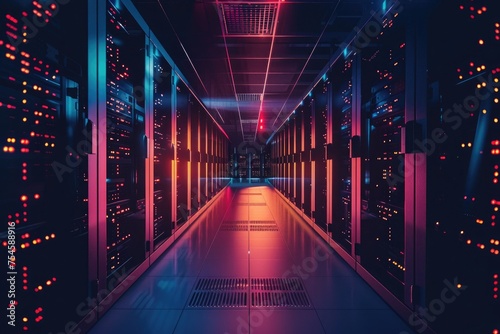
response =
{"points": [[248, 18], [226, 47]]}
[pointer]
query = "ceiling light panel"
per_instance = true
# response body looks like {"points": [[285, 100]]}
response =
{"points": [[248, 19]]}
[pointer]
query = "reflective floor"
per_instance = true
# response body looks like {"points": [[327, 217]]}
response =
{"points": [[250, 265]]}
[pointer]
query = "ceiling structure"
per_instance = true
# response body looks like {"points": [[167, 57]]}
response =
{"points": [[252, 62]]}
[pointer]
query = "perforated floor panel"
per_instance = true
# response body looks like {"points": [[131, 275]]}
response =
{"points": [[273, 292], [253, 226]]}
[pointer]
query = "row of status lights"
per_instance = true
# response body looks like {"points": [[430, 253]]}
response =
{"points": [[495, 286], [36, 241], [483, 246]]}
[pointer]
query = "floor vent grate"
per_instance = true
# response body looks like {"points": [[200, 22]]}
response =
{"points": [[232, 227], [251, 204], [222, 284], [284, 284], [215, 299], [253, 225], [263, 225], [285, 299], [263, 228], [272, 292], [263, 222]]}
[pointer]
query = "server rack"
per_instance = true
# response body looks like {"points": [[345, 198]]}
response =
{"points": [[276, 165], [296, 157], [266, 165], [163, 150], [203, 159], [242, 165], [183, 176], [46, 137], [255, 162], [225, 163], [319, 130], [212, 159], [364, 127], [215, 161], [125, 143], [461, 145], [383, 155], [284, 157], [289, 160], [340, 148], [194, 156], [305, 156], [91, 154]]}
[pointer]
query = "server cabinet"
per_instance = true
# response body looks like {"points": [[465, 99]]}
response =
{"points": [[225, 162], [286, 166], [222, 163], [289, 171], [319, 131], [183, 176], [340, 151], [296, 138], [125, 142], [382, 120], [216, 158], [461, 144], [203, 159], [284, 159], [46, 141], [278, 160], [221, 178], [225, 167], [242, 165], [232, 162], [163, 149], [194, 140], [275, 162], [255, 165], [272, 148], [215, 154], [266, 163], [412, 159], [277, 165], [89, 153], [284, 162], [210, 158], [305, 154]]}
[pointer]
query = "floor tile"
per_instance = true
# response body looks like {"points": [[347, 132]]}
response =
{"points": [[211, 321], [157, 293], [362, 322], [341, 302], [219, 268], [285, 321], [270, 267], [342, 292], [269, 252], [223, 252], [171, 266], [137, 321]]}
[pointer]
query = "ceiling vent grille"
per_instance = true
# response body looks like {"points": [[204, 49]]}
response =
{"points": [[249, 97], [248, 19]]}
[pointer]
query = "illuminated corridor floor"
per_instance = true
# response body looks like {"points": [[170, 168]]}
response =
{"points": [[250, 265]]}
